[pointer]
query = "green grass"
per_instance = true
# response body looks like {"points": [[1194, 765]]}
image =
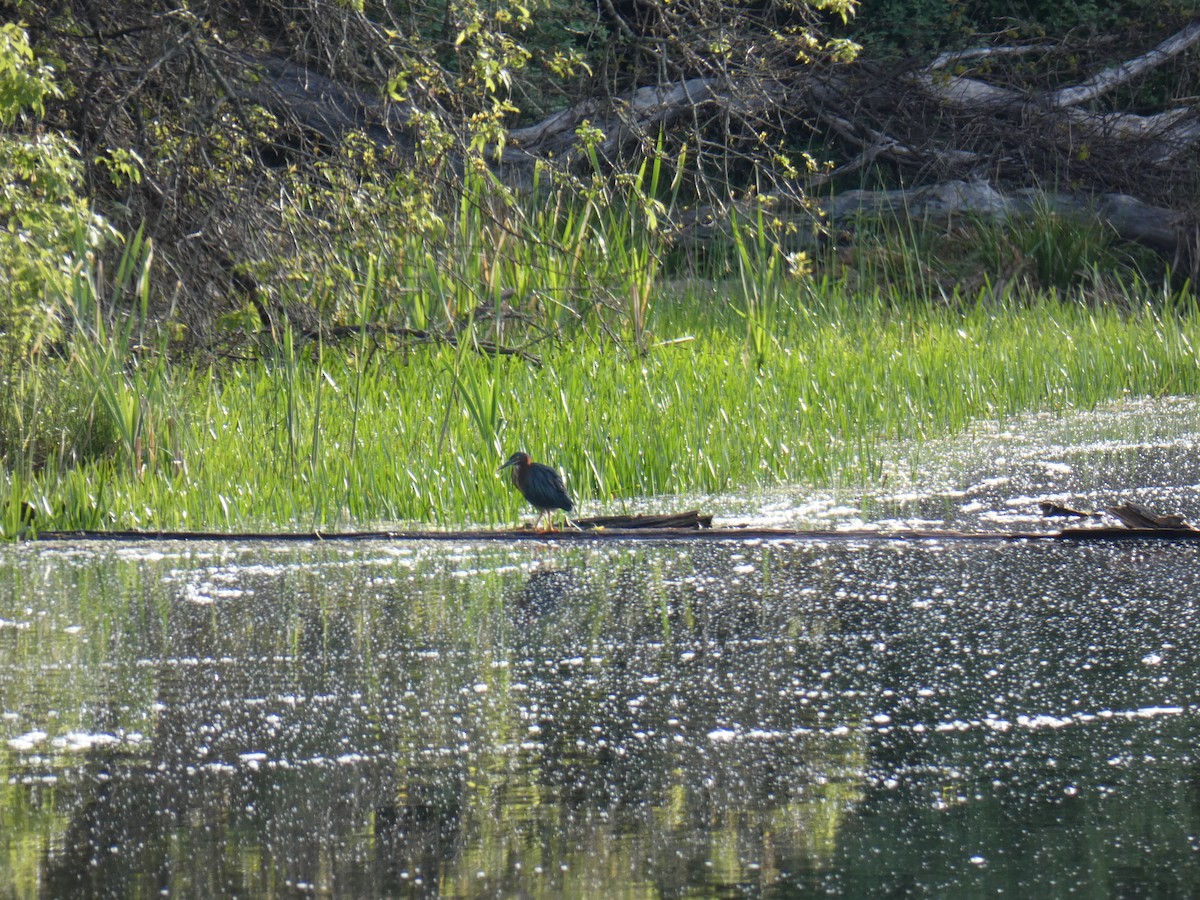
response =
{"points": [[334, 437], [774, 369]]}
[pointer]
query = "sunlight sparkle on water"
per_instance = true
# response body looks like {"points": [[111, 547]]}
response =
{"points": [[712, 718], [1084, 458]]}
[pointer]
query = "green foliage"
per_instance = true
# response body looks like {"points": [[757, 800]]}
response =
{"points": [[75, 406], [47, 230], [48, 417], [1062, 250], [24, 83], [567, 253], [1040, 251], [321, 436]]}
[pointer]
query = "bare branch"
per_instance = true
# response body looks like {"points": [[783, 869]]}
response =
{"points": [[957, 56], [968, 93], [1166, 136], [1103, 82]]}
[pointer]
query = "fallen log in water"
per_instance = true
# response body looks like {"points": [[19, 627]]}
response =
{"points": [[1134, 515], [1138, 522], [1076, 535], [690, 519]]}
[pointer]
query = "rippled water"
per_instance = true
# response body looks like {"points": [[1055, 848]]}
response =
{"points": [[785, 718]]}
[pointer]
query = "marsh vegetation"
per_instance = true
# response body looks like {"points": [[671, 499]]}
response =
{"points": [[764, 378], [227, 319]]}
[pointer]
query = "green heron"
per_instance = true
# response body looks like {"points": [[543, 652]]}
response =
{"points": [[540, 484]]}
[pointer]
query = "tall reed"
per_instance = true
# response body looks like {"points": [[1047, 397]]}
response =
{"points": [[777, 375]]}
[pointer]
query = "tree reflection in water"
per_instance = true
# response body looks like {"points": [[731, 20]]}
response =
{"points": [[784, 719]]}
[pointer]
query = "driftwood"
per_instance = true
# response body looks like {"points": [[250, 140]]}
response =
{"points": [[1164, 136], [970, 135], [1162, 230], [632, 123], [833, 98], [1131, 515], [689, 519], [1134, 515], [1000, 122], [1058, 509], [329, 109], [990, 129]]}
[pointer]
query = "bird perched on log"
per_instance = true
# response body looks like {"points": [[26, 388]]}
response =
{"points": [[540, 484]]}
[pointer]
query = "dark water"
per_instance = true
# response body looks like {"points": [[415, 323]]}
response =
{"points": [[778, 720]]}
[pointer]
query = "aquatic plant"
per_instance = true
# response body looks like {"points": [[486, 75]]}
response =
{"points": [[332, 436]]}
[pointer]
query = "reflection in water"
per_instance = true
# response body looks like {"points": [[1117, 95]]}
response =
{"points": [[783, 718]]}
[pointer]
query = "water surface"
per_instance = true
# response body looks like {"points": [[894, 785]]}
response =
{"points": [[786, 718]]}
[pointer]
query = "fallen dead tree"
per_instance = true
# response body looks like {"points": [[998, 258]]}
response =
{"points": [[1154, 226], [983, 149], [848, 101], [934, 119], [1156, 139]]}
